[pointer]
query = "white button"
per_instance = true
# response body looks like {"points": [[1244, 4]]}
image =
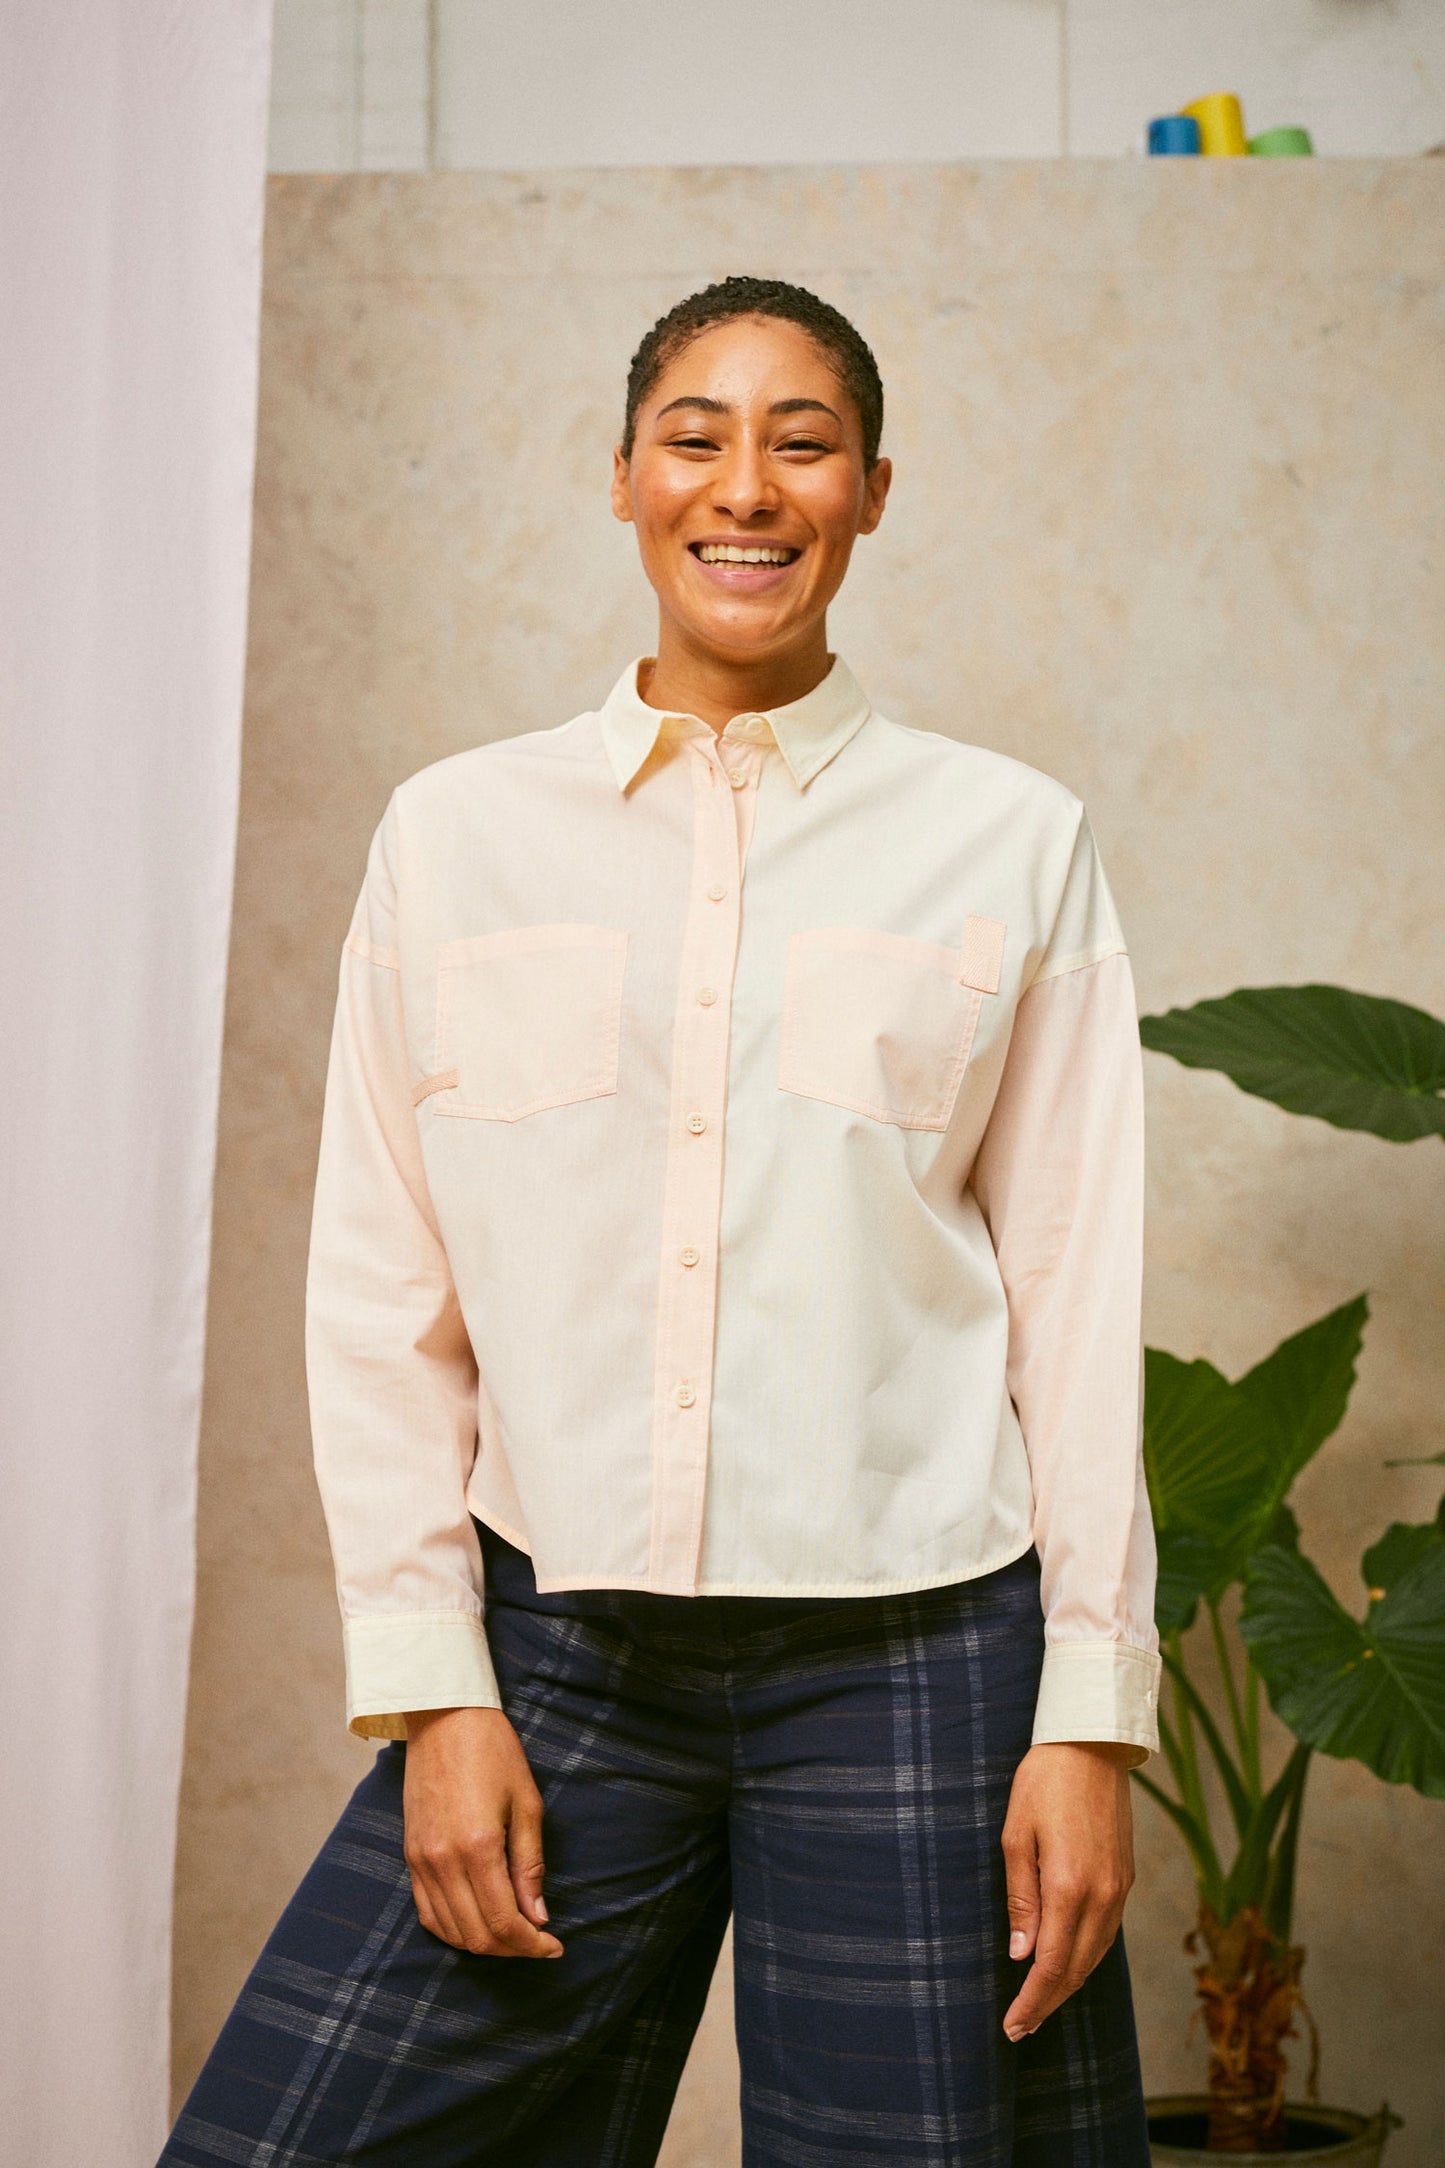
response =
{"points": [[739, 782], [697, 1123], [717, 891], [689, 1256], [685, 1395], [707, 995]]}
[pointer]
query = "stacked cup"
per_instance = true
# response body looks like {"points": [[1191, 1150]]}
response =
{"points": [[1213, 127]]}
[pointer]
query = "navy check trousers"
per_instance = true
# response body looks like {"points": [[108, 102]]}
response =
{"points": [[835, 1774]]}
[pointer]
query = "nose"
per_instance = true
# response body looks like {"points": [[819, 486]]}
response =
{"points": [[742, 484]]}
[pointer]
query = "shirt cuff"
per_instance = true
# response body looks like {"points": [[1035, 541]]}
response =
{"points": [[414, 1660], [1100, 1690]]}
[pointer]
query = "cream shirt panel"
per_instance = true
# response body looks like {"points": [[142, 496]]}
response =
{"points": [[884, 1340]]}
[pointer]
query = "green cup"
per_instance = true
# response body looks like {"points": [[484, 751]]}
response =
{"points": [[1282, 143]]}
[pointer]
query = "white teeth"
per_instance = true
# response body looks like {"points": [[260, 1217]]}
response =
{"points": [[731, 553]]}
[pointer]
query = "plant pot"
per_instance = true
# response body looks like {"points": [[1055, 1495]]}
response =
{"points": [[1333, 2136]]}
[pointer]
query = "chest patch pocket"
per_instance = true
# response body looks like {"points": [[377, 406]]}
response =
{"points": [[527, 1018], [883, 1024]]}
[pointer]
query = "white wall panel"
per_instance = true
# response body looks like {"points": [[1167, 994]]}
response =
{"points": [[315, 69], [1366, 77], [351, 87], [395, 89], [395, 85], [653, 82]]}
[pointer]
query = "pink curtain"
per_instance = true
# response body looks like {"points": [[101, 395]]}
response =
{"points": [[132, 158]]}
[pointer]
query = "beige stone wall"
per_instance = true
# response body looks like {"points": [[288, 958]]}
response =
{"points": [[1166, 523]]}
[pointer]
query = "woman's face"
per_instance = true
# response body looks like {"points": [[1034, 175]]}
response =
{"points": [[748, 443]]}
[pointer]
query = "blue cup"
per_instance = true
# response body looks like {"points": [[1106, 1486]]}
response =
{"points": [[1174, 135]]}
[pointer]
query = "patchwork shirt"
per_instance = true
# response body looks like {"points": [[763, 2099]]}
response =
{"points": [[731, 1183]]}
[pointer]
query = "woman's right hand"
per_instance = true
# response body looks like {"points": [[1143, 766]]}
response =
{"points": [[474, 1834]]}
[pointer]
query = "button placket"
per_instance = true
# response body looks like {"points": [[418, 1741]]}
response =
{"points": [[692, 1195]]}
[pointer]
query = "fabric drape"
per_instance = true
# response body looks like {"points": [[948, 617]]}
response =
{"points": [[132, 165]]}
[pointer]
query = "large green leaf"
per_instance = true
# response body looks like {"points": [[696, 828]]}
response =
{"points": [[1398, 1551], [1187, 1566], [1371, 1691], [1357, 1060], [1220, 1457]]}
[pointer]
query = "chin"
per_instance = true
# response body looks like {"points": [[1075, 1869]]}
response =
{"points": [[740, 631]]}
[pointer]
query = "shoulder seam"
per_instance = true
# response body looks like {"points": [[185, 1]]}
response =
{"points": [[987, 752]]}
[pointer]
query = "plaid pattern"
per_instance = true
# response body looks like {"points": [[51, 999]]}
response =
{"points": [[835, 1773]]}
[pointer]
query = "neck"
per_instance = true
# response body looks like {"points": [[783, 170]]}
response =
{"points": [[689, 680]]}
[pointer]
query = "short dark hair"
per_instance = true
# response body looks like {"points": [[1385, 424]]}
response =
{"points": [[845, 347]]}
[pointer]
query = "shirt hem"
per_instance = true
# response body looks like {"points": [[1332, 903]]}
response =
{"points": [[564, 1583]]}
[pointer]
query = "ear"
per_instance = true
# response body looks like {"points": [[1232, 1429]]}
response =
{"points": [[621, 486], [875, 494]]}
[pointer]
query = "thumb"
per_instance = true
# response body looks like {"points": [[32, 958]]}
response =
{"points": [[1021, 1871]]}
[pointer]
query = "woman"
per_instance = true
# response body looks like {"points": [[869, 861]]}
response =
{"points": [[723, 1351]]}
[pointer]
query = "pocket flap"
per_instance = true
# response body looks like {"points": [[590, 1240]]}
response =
{"points": [[980, 959]]}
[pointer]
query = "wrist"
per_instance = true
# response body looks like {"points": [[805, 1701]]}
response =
{"points": [[419, 1722], [1114, 1751]]}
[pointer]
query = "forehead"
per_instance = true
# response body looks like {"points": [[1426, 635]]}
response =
{"points": [[748, 358]]}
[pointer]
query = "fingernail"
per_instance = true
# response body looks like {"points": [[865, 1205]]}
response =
{"points": [[1014, 2032], [1018, 1942], [541, 1908]]}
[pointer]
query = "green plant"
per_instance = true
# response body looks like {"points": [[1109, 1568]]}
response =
{"points": [[1220, 1459]]}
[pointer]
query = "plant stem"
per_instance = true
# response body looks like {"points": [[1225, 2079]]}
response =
{"points": [[1231, 1696], [1279, 1904], [1208, 1874], [1172, 1754], [1251, 1721], [1189, 1783], [1241, 1805]]}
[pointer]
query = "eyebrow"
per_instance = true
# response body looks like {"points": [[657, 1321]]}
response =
{"points": [[779, 406]]}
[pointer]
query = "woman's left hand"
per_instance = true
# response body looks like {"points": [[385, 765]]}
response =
{"points": [[1068, 1845]]}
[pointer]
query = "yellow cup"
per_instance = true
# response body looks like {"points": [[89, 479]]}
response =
{"points": [[1221, 125]]}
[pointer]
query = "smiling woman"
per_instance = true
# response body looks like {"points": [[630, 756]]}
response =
{"points": [[723, 1350], [749, 462]]}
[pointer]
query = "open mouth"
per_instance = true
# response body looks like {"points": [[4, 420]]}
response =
{"points": [[744, 553]]}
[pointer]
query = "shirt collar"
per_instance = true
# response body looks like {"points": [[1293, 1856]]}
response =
{"points": [[808, 732]]}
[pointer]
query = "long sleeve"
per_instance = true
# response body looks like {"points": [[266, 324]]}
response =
{"points": [[391, 1375], [1059, 1177]]}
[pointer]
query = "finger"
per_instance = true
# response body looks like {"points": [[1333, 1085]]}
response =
{"points": [[511, 1934], [1096, 1935], [1061, 1969], [1021, 1874], [446, 1889], [524, 1859], [432, 1908], [469, 1913], [1049, 1978]]}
